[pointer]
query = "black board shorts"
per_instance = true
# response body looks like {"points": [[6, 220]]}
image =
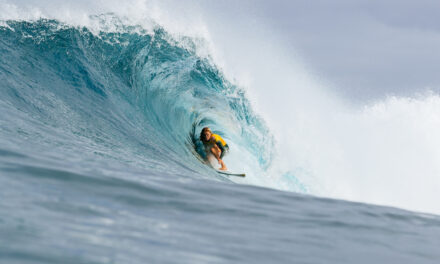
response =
{"points": [[226, 147]]}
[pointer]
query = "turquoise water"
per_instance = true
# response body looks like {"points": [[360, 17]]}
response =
{"points": [[100, 163]]}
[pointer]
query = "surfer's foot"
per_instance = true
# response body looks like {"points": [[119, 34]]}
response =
{"points": [[223, 166]]}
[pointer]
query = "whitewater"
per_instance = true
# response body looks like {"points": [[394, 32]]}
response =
{"points": [[100, 162]]}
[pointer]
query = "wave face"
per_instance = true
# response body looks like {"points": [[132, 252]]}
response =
{"points": [[130, 95], [100, 162]]}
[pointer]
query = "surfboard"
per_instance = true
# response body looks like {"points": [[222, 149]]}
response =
{"points": [[231, 173]]}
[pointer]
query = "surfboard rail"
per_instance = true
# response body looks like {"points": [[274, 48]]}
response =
{"points": [[231, 173]]}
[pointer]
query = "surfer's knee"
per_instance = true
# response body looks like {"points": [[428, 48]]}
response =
{"points": [[215, 149]]}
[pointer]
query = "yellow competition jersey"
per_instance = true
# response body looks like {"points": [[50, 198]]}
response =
{"points": [[219, 138]]}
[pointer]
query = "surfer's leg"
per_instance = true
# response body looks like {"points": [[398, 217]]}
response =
{"points": [[223, 165], [216, 151]]}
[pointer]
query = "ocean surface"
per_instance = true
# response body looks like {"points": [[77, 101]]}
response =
{"points": [[100, 162]]}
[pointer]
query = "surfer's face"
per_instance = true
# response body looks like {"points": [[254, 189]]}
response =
{"points": [[207, 135]]}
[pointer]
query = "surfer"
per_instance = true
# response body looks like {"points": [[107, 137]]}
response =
{"points": [[215, 144]]}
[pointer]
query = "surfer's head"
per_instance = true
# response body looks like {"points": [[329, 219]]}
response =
{"points": [[205, 135]]}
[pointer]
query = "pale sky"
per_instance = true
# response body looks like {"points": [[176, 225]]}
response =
{"points": [[366, 49]]}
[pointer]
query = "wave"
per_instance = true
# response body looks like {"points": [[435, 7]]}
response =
{"points": [[137, 94], [125, 94]]}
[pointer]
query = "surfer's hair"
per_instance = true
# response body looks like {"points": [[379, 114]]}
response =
{"points": [[202, 135]]}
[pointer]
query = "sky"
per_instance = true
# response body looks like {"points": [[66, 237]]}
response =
{"points": [[364, 49]]}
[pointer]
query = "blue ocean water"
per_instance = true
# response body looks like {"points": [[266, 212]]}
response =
{"points": [[100, 163]]}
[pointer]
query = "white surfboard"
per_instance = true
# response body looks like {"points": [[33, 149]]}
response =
{"points": [[231, 173], [212, 161]]}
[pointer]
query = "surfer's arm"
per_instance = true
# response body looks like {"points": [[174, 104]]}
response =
{"points": [[216, 151]]}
